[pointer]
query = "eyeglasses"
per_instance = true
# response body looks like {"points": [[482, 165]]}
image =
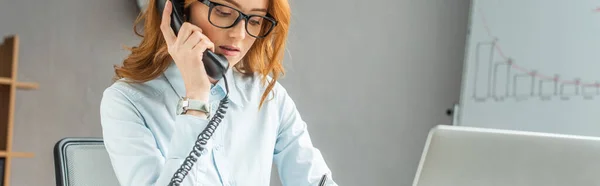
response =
{"points": [[224, 16]]}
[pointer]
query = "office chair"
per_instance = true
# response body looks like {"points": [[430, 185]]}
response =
{"points": [[82, 161]]}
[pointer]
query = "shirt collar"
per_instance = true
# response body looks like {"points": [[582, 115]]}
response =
{"points": [[174, 77]]}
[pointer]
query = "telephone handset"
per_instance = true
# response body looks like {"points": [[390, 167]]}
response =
{"points": [[216, 65]]}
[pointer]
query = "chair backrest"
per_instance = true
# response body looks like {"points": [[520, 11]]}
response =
{"points": [[82, 161]]}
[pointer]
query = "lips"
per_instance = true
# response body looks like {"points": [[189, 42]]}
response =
{"points": [[229, 47], [229, 50]]}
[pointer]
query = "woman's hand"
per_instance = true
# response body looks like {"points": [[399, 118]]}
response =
{"points": [[187, 49]]}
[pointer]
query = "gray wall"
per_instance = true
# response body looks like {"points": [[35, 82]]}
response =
{"points": [[370, 78], [68, 47]]}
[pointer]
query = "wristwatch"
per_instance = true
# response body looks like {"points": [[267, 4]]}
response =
{"points": [[186, 104]]}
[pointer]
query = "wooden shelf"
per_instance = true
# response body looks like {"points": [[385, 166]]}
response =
{"points": [[20, 85], [27, 85], [5, 81], [16, 154], [5, 116], [9, 57]]}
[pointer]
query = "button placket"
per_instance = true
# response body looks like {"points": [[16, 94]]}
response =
{"points": [[218, 148], [221, 164]]}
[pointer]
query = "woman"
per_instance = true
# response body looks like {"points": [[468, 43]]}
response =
{"points": [[147, 135]]}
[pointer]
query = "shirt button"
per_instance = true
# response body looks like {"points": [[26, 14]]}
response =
{"points": [[218, 147], [213, 92]]}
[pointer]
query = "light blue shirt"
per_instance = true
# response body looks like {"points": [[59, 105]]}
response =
{"points": [[147, 141]]}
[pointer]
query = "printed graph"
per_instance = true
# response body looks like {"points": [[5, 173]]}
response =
{"points": [[505, 79], [532, 66], [499, 77]]}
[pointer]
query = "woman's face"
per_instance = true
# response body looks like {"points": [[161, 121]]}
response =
{"points": [[232, 42]]}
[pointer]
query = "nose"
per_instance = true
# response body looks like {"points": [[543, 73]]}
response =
{"points": [[239, 30]]}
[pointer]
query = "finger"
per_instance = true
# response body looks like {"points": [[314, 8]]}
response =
{"points": [[192, 41], [205, 44], [185, 32], [202, 46], [165, 25]]}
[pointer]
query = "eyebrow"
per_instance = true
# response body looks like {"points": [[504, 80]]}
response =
{"points": [[238, 5]]}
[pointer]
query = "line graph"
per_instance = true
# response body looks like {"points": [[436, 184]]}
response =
{"points": [[532, 66], [499, 80], [499, 77]]}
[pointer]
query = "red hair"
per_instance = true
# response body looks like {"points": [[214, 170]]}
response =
{"points": [[150, 58]]}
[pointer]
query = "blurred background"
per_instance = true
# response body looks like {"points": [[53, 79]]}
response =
{"points": [[369, 77]]}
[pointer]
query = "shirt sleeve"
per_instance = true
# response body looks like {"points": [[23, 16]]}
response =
{"points": [[299, 163], [133, 150]]}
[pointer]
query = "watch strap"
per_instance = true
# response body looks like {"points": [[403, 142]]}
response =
{"points": [[186, 104], [198, 106]]}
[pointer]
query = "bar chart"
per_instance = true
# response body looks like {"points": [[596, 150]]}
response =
{"points": [[532, 66], [499, 80]]}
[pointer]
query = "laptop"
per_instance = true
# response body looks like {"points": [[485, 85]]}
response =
{"points": [[469, 156]]}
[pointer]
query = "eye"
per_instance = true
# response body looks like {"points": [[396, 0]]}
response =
{"points": [[223, 11], [255, 21]]}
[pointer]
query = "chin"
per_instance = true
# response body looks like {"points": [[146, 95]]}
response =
{"points": [[232, 60]]}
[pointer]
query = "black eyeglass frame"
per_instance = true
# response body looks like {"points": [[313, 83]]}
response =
{"points": [[241, 16]]}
